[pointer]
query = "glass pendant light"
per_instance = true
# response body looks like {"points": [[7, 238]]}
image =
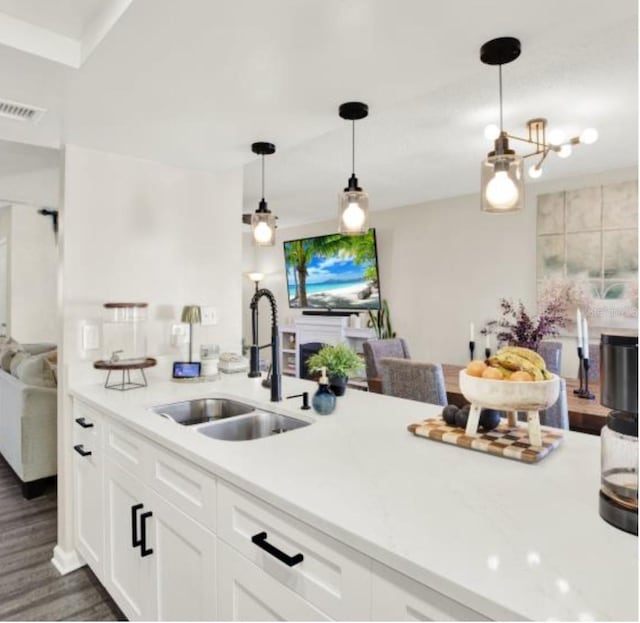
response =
{"points": [[353, 210], [263, 221], [502, 170]]}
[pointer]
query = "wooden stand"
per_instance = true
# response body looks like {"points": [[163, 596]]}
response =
{"points": [[126, 383]]}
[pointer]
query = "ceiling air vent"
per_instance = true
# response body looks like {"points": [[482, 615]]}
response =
{"points": [[20, 112]]}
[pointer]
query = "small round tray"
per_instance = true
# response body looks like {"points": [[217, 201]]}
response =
{"points": [[149, 362]]}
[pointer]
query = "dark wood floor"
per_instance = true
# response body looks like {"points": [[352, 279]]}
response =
{"points": [[30, 587]]}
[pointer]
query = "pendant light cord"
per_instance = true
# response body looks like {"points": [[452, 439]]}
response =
{"points": [[262, 177], [353, 147], [500, 89]]}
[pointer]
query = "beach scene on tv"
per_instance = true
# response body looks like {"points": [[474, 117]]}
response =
{"points": [[333, 272]]}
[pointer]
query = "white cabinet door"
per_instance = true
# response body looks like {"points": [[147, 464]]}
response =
{"points": [[184, 565], [129, 573], [246, 593], [88, 486], [399, 598]]}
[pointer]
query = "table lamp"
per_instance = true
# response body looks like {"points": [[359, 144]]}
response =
{"points": [[192, 315]]}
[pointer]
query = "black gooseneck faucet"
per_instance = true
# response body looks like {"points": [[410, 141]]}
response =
{"points": [[254, 371]]}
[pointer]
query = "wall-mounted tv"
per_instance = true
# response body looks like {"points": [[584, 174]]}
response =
{"points": [[335, 271]]}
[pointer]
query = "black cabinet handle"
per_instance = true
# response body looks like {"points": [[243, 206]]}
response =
{"points": [[144, 551], [83, 422], [260, 540], [136, 541], [81, 451]]}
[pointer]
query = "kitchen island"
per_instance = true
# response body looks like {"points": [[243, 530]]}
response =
{"points": [[503, 539]]}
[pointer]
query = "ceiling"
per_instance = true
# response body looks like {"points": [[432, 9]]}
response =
{"points": [[194, 82], [68, 18]]}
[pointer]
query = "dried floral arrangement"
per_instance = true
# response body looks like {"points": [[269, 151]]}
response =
{"points": [[517, 327]]}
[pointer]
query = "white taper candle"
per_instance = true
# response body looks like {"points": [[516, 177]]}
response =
{"points": [[579, 326], [472, 332]]}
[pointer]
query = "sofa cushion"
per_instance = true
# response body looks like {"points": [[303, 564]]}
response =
{"points": [[35, 370], [6, 355], [39, 347], [16, 360], [51, 359]]}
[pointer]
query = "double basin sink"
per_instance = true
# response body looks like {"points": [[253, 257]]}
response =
{"points": [[229, 420]]}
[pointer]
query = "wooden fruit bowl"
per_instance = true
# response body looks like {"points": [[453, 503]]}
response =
{"points": [[509, 395]]}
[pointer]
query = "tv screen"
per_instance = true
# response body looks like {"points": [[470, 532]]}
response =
{"points": [[333, 272]]}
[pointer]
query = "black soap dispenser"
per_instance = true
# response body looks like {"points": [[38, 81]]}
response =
{"points": [[324, 400]]}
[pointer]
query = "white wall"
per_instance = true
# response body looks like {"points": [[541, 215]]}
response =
{"points": [[39, 187], [34, 266], [442, 265], [29, 284], [134, 230]]}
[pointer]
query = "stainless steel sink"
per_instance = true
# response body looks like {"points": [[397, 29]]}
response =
{"points": [[254, 426], [201, 410]]}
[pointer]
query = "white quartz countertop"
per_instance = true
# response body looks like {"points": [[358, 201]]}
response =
{"points": [[508, 539]]}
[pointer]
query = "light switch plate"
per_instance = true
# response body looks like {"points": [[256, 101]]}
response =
{"points": [[208, 316], [179, 334], [90, 337]]}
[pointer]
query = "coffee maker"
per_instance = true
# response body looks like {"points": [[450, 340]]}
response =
{"points": [[619, 437]]}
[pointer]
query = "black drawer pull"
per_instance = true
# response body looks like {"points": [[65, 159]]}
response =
{"points": [[143, 538], [260, 540], [83, 422], [136, 541], [81, 451]]}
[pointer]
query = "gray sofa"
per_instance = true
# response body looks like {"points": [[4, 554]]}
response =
{"points": [[28, 414]]}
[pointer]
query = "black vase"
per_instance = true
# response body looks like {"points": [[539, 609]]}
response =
{"points": [[338, 384]]}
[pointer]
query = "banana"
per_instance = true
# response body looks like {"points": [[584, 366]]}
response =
{"points": [[514, 362], [528, 354]]}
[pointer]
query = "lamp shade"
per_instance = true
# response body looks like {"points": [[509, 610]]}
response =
{"points": [[191, 314], [353, 212], [502, 187], [263, 228], [255, 277]]}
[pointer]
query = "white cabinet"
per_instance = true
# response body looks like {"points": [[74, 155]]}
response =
{"points": [[333, 577], [160, 562], [129, 572], [399, 598], [184, 570], [247, 593], [88, 487]]}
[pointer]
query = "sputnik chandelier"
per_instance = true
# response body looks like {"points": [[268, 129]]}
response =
{"points": [[502, 170]]}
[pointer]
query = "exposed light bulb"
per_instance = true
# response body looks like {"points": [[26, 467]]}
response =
{"points": [[535, 171], [353, 217], [492, 132], [565, 151], [501, 192], [262, 233], [557, 137], [589, 136]]}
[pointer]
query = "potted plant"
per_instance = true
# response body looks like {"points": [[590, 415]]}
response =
{"points": [[380, 322], [340, 361]]}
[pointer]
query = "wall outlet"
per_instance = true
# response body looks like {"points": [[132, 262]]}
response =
{"points": [[179, 334], [90, 337], [208, 316]]}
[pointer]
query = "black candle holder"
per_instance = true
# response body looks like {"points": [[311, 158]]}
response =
{"points": [[580, 390], [487, 352], [472, 349], [586, 393]]}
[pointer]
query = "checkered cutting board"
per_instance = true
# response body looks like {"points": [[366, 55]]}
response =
{"points": [[510, 443]]}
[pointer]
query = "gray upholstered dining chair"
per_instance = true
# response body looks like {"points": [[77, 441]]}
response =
{"points": [[414, 380], [374, 351], [551, 352], [557, 415]]}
